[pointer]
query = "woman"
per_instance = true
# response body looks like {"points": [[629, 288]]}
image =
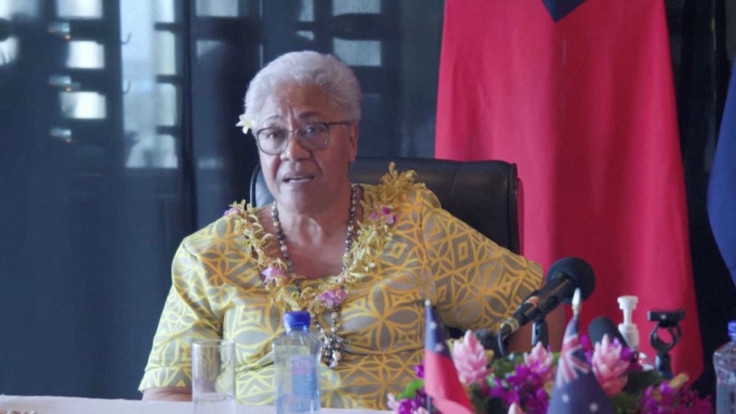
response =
{"points": [[362, 259]]}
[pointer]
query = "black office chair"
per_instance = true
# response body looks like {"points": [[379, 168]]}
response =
{"points": [[482, 193]]}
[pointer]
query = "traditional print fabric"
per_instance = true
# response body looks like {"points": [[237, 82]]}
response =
{"points": [[218, 291]]}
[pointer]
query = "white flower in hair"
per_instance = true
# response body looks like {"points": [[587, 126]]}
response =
{"points": [[244, 122]]}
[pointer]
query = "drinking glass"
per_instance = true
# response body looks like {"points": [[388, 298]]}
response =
{"points": [[213, 376]]}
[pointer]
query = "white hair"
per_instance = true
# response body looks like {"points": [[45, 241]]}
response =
{"points": [[334, 77]]}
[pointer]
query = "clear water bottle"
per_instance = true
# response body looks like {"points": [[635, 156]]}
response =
{"points": [[724, 361], [296, 358]]}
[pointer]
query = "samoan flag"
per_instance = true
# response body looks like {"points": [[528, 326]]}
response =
{"points": [[576, 389], [579, 95], [441, 381]]}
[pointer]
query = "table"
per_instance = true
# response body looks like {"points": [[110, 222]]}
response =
{"points": [[74, 405]]}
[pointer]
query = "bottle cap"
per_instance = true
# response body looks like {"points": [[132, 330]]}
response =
{"points": [[296, 319]]}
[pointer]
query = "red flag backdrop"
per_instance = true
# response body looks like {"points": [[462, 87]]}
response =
{"points": [[585, 106]]}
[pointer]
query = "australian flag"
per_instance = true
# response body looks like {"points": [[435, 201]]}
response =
{"points": [[441, 381], [576, 389]]}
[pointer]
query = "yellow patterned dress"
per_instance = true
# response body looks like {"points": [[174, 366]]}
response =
{"points": [[407, 250]]}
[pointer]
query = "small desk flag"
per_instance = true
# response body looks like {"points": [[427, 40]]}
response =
{"points": [[441, 381], [576, 390]]}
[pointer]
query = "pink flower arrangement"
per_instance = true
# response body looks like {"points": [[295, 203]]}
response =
{"points": [[608, 366], [522, 384], [333, 298], [525, 386], [470, 361], [541, 362], [413, 400], [668, 399], [413, 407]]}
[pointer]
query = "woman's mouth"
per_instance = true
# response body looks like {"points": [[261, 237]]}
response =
{"points": [[298, 178]]}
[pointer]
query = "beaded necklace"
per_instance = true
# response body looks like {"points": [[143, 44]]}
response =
{"points": [[333, 345]]}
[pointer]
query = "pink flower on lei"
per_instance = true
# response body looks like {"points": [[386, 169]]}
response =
{"points": [[272, 273], [470, 360], [609, 367], [384, 212], [333, 298], [231, 210], [541, 361]]}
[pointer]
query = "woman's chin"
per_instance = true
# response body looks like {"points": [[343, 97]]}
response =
{"points": [[301, 201]]}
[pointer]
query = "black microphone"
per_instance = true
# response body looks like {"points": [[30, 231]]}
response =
{"points": [[601, 326], [563, 278]]}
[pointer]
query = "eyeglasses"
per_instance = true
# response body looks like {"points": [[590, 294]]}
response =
{"points": [[312, 136]]}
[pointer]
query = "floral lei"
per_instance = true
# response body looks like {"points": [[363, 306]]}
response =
{"points": [[373, 233]]}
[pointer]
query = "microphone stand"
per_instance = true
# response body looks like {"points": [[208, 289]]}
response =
{"points": [[669, 321], [540, 332]]}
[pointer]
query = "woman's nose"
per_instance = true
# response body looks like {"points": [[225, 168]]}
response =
{"points": [[294, 151]]}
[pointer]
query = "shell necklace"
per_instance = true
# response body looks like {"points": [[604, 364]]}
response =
{"points": [[333, 345]]}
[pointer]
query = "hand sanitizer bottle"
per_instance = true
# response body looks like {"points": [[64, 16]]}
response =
{"points": [[629, 330]]}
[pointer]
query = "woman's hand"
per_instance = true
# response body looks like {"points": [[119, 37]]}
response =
{"points": [[167, 393]]}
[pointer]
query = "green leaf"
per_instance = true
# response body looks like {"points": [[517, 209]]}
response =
{"points": [[638, 381], [411, 389], [625, 403], [503, 366]]}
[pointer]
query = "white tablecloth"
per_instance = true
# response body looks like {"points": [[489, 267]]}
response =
{"points": [[73, 405]]}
